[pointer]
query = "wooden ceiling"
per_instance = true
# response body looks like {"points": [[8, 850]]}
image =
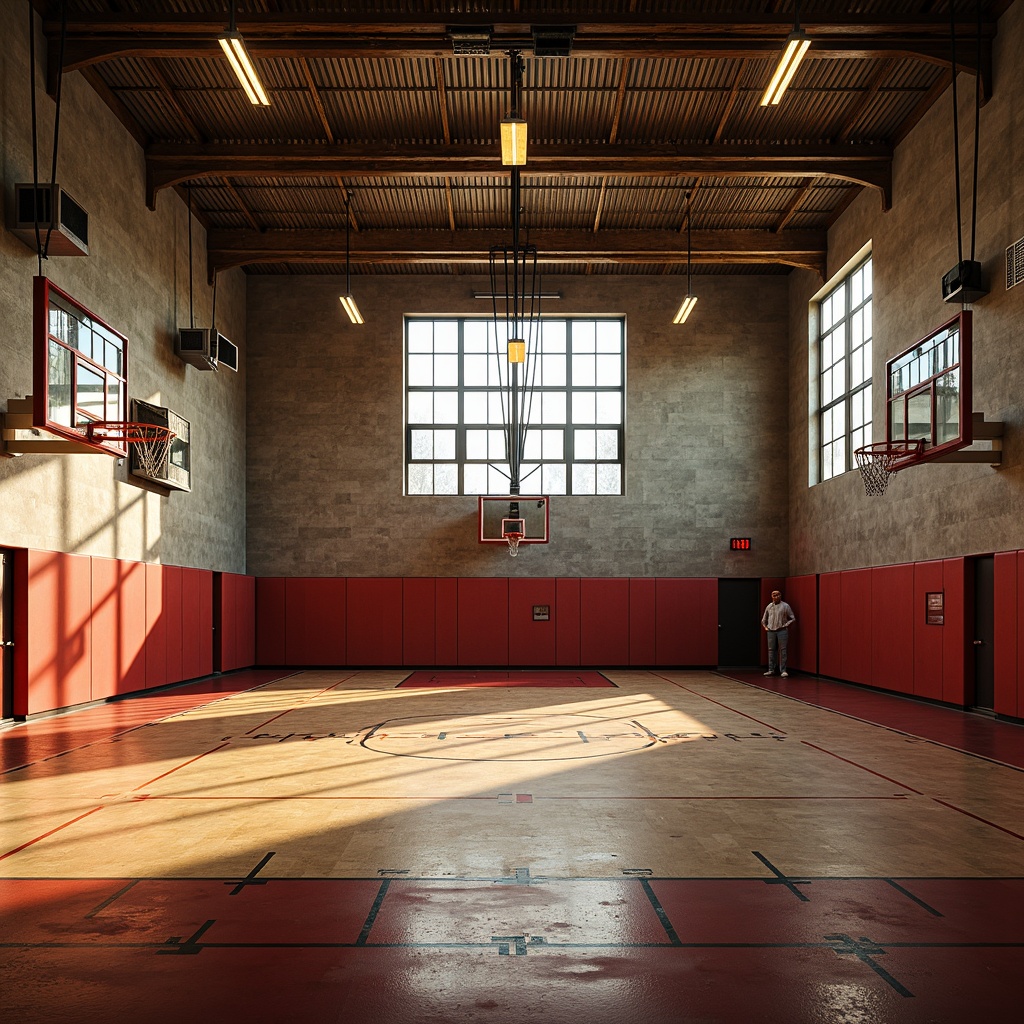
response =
{"points": [[657, 101]]}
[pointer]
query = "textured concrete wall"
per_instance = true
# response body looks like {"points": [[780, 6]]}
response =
{"points": [[706, 445], [135, 278], [930, 511]]}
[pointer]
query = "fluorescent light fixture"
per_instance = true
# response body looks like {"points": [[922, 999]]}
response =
{"points": [[234, 49], [685, 309], [513, 142], [796, 46], [348, 303]]}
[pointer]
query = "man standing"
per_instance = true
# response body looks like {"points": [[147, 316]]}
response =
{"points": [[777, 619]]}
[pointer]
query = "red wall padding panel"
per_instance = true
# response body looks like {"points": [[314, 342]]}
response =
{"points": [[315, 621], [205, 620], [483, 621], [891, 637], [173, 622], [418, 622], [374, 621], [928, 640], [271, 621], [531, 642], [830, 625], [1006, 637], [956, 639], [191, 624], [55, 596], [642, 622], [855, 641], [447, 620], [118, 627], [156, 627], [686, 622], [236, 639], [567, 621], [604, 622], [801, 593]]}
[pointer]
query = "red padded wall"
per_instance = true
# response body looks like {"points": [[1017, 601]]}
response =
{"points": [[57, 605], [567, 621], [531, 642], [374, 621], [855, 641], [604, 622], [642, 622], [801, 593], [892, 628], [418, 628], [205, 583], [196, 623], [956, 638], [235, 640], [830, 625], [686, 622], [1006, 637], [173, 622], [271, 621], [483, 621], [446, 619], [315, 621], [118, 627], [156, 627], [928, 642]]}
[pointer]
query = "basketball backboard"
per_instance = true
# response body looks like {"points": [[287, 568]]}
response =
{"points": [[513, 513], [928, 392]]}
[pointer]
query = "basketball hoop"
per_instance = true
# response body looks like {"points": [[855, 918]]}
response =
{"points": [[152, 442], [878, 462], [513, 543]]}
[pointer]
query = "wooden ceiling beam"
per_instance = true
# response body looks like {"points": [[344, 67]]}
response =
{"points": [[869, 165], [240, 247]]}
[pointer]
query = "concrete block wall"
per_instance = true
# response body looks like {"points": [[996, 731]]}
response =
{"points": [[137, 279], [930, 511], [706, 435]]}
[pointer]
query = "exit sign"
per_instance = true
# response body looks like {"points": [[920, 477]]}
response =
{"points": [[739, 544]]}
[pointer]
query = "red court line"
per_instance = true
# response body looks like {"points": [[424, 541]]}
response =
{"points": [[711, 700], [185, 764], [459, 678], [32, 842], [870, 771], [984, 821], [299, 704]]}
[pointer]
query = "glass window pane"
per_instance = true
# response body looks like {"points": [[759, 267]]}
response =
{"points": [[495, 414], [584, 407], [897, 427], [421, 479], [583, 371], [919, 413], [474, 407], [421, 338], [446, 479], [609, 478], [474, 478], [474, 335], [584, 444], [498, 479], [421, 407], [584, 478], [609, 407], [553, 407], [584, 336], [446, 371], [59, 385], [532, 448], [607, 445], [422, 444], [554, 445], [115, 399], [554, 334], [421, 371], [476, 444], [496, 444], [112, 353], [446, 407], [444, 444], [446, 336], [475, 371], [552, 371], [609, 371], [947, 407], [609, 336], [553, 477]]}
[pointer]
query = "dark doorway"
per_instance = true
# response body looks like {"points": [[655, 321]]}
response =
{"points": [[984, 633], [6, 634], [739, 628]]}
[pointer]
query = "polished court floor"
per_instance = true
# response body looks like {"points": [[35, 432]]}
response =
{"points": [[676, 847]]}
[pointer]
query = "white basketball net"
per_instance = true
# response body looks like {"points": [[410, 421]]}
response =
{"points": [[513, 543]]}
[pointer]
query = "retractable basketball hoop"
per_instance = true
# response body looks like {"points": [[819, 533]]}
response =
{"points": [[879, 462], [152, 442]]}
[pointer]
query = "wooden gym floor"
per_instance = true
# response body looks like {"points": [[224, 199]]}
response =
{"points": [[679, 847]]}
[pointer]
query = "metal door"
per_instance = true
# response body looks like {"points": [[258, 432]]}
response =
{"points": [[739, 625], [6, 633], [984, 633]]}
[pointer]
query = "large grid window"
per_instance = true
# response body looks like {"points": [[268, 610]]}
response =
{"points": [[845, 371], [455, 441]]}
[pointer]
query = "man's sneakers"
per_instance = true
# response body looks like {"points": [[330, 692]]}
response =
{"points": [[769, 673], [785, 675]]}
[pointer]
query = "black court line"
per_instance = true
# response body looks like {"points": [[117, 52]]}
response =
{"points": [[110, 899], [910, 896], [782, 879], [865, 951], [660, 911], [251, 879], [374, 911]]}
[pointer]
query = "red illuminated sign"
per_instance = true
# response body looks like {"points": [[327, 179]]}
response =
{"points": [[739, 544]]}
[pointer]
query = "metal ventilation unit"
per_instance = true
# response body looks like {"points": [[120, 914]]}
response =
{"points": [[1015, 264], [206, 348], [50, 209]]}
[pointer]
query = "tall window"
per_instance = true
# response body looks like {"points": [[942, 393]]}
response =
{"points": [[454, 441], [845, 375]]}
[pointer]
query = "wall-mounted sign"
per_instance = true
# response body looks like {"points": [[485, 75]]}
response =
{"points": [[739, 543], [934, 608], [541, 612]]}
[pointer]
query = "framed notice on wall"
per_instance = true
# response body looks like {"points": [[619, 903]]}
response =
{"points": [[934, 608]]}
